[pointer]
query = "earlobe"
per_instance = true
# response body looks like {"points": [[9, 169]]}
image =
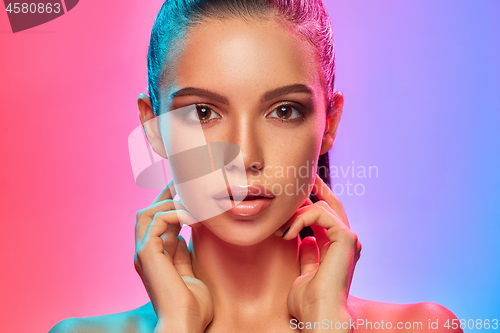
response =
{"points": [[150, 125], [326, 144]]}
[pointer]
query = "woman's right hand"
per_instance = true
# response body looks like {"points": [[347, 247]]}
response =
{"points": [[181, 301]]}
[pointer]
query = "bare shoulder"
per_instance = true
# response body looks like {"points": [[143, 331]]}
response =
{"points": [[140, 320], [373, 316]]}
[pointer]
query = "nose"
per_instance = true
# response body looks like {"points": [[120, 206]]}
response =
{"points": [[245, 135]]}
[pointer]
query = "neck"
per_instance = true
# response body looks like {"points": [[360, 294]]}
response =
{"points": [[245, 280]]}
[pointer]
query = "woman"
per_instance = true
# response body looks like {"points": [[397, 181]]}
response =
{"points": [[258, 74]]}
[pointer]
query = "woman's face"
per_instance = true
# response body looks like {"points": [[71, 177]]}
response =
{"points": [[239, 70]]}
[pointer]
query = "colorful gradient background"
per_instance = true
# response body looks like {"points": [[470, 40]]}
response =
{"points": [[422, 83]]}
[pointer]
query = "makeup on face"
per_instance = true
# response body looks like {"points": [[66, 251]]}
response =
{"points": [[253, 200], [268, 104]]}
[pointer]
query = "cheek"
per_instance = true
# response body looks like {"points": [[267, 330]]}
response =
{"points": [[293, 162], [302, 145], [304, 149], [296, 141], [305, 155]]}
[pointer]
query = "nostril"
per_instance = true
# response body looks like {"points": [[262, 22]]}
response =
{"points": [[256, 166]]}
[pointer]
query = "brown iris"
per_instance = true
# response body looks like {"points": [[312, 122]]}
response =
{"points": [[204, 112], [284, 111]]}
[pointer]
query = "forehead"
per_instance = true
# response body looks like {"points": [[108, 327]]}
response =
{"points": [[242, 57]]}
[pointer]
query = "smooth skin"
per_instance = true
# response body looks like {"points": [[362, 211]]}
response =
{"points": [[248, 274]]}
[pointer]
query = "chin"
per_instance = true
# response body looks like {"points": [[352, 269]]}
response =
{"points": [[248, 231], [240, 231], [244, 240]]}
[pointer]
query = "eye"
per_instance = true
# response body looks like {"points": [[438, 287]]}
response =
{"points": [[286, 112], [202, 113]]}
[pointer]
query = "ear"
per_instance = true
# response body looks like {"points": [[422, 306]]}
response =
{"points": [[332, 121], [150, 124]]}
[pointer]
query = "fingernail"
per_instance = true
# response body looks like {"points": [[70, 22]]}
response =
{"points": [[285, 232]]}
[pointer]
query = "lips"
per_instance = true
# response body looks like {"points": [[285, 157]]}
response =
{"points": [[244, 193], [253, 199]]}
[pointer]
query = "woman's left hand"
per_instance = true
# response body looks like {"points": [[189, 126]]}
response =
{"points": [[327, 260]]}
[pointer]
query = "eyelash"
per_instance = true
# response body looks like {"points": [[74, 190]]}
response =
{"points": [[299, 118], [208, 107]]}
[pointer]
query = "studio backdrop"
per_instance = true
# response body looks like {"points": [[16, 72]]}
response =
{"points": [[416, 161]]}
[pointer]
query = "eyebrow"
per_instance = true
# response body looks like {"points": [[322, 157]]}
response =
{"points": [[289, 89]]}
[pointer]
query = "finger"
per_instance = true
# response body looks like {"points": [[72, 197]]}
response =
{"points": [[145, 216], [285, 226], [320, 232], [303, 208], [321, 239], [309, 255], [323, 192], [322, 204], [160, 223], [170, 238], [161, 279], [316, 214], [306, 203], [167, 193], [182, 259], [153, 241], [338, 262], [323, 251]]}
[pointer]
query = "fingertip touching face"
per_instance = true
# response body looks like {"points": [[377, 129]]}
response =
{"points": [[257, 84]]}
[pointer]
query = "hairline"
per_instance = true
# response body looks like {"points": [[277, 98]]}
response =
{"points": [[171, 58]]}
